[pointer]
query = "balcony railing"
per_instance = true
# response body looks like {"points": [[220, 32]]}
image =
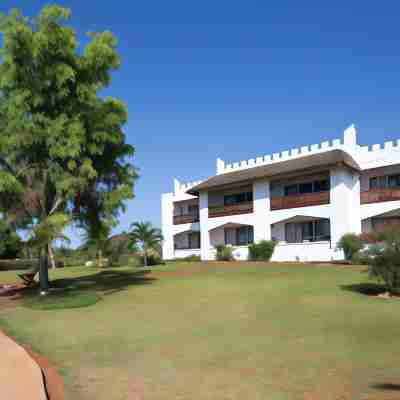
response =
{"points": [[299, 200], [233, 209], [185, 219], [379, 195]]}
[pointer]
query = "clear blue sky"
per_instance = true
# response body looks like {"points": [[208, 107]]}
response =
{"points": [[236, 79]]}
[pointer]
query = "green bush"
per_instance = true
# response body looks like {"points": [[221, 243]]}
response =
{"points": [[351, 244], [225, 253], [8, 265], [385, 262], [152, 259], [261, 251], [191, 258]]}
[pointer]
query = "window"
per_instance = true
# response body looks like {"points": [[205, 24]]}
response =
{"points": [[291, 190], [321, 186], [394, 181], [307, 187], [381, 182], [231, 199], [245, 235], [297, 232], [194, 210], [239, 236], [194, 240]]}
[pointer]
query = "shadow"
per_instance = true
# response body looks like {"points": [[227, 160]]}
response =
{"points": [[392, 387], [104, 282], [369, 289]]}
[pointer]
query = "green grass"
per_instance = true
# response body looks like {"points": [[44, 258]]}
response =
{"points": [[219, 331]]}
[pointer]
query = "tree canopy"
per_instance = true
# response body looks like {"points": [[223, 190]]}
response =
{"points": [[62, 147]]}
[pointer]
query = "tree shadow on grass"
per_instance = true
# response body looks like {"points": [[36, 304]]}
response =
{"points": [[104, 282], [369, 289], [392, 387]]}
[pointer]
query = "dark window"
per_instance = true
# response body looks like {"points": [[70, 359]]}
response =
{"points": [[321, 186], [291, 190], [194, 211], [237, 198], [373, 183], [311, 231], [245, 235], [305, 187], [394, 181], [239, 236], [194, 240]]}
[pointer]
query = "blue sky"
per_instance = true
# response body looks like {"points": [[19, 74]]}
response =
{"points": [[236, 79]]}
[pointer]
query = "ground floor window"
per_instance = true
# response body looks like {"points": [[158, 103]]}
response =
{"points": [[311, 231], [186, 241], [239, 236]]}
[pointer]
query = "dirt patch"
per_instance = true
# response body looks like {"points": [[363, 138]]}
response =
{"points": [[53, 382]]}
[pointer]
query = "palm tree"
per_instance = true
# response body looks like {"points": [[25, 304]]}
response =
{"points": [[145, 235]]}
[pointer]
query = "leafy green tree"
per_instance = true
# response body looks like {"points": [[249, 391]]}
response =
{"points": [[384, 260], [351, 244], [147, 237], [10, 242], [62, 148]]}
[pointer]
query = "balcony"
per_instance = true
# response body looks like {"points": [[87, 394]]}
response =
{"points": [[299, 200], [233, 209], [186, 219], [379, 195]]}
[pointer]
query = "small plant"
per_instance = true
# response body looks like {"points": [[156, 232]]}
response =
{"points": [[385, 262], [224, 253], [192, 258], [351, 244], [261, 251]]}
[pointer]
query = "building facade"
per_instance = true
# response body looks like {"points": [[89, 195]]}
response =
{"points": [[305, 199]]}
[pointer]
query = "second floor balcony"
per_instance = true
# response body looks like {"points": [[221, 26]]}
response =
{"points": [[232, 209], [378, 195], [300, 200], [186, 219]]}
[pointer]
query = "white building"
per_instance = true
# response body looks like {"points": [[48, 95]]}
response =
{"points": [[305, 199]]}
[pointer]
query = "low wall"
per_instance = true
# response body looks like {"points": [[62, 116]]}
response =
{"points": [[311, 251], [186, 253]]}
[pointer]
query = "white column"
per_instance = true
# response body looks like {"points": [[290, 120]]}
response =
{"points": [[345, 203], [204, 233], [262, 226], [167, 221]]}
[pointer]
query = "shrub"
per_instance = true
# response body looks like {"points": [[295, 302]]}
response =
{"points": [[385, 262], [261, 251], [8, 265], [152, 259], [224, 253], [351, 244]]}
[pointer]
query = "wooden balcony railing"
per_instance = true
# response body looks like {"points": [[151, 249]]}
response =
{"points": [[185, 219], [234, 209], [300, 200], [379, 195]]}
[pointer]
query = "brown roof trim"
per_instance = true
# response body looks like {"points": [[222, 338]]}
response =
{"points": [[298, 165]]}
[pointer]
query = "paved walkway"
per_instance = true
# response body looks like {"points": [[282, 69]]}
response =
{"points": [[20, 376]]}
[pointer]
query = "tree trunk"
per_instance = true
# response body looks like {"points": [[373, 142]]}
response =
{"points": [[43, 270], [99, 260], [145, 257], [51, 256]]}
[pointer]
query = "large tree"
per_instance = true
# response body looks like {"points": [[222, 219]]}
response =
{"points": [[62, 147]]}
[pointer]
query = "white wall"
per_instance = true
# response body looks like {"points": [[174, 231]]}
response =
{"points": [[167, 210], [345, 203], [316, 251], [261, 207], [186, 253]]}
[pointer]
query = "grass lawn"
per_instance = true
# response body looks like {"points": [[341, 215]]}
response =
{"points": [[218, 331]]}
